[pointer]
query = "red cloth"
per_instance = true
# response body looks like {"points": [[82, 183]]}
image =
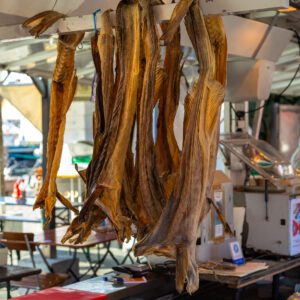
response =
{"points": [[59, 293]]}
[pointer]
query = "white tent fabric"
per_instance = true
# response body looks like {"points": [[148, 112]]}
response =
{"points": [[27, 100]]}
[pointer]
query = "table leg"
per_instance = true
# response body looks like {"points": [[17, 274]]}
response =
{"points": [[108, 251], [69, 270], [128, 256], [8, 287], [237, 294], [275, 287], [101, 261], [98, 252], [93, 266], [45, 259]]}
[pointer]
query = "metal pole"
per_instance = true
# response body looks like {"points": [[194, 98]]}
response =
{"points": [[2, 164], [44, 87], [258, 120]]}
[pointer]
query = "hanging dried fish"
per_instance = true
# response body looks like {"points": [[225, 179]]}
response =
{"points": [[107, 169], [166, 148], [178, 14], [151, 195], [102, 45], [39, 23], [80, 229], [64, 82], [106, 45], [163, 191], [175, 234]]}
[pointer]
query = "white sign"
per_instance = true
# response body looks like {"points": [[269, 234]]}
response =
{"points": [[219, 228], [236, 253], [295, 226]]}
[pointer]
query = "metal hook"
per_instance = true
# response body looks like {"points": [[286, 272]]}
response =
{"points": [[95, 18], [80, 46]]}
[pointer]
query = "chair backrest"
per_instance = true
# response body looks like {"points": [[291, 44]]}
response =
{"points": [[19, 241]]}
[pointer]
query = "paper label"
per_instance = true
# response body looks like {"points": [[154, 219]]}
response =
{"points": [[219, 228], [236, 253]]}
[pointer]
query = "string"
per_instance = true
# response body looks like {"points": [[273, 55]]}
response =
{"points": [[95, 18], [54, 4]]}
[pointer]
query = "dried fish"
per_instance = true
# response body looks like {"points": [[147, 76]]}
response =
{"points": [[166, 148], [39, 23], [151, 195], [64, 84], [164, 192], [176, 231], [178, 14], [106, 42], [108, 166], [80, 229]]}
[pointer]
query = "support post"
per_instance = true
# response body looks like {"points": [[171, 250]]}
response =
{"points": [[275, 287], [258, 116], [2, 183], [43, 86]]}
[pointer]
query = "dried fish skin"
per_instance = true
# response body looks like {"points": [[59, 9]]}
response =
{"points": [[39, 23], [178, 14], [108, 170], [62, 97], [176, 230], [62, 92], [166, 147], [151, 195], [215, 28], [106, 42], [67, 45], [102, 44], [77, 232], [160, 85], [80, 228], [128, 42]]}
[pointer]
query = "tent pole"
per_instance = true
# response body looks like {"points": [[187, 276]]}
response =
{"points": [[44, 87], [2, 183]]}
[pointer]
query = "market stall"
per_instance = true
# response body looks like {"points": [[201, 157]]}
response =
{"points": [[172, 143]]}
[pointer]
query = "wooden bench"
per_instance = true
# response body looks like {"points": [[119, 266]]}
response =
{"points": [[20, 241]]}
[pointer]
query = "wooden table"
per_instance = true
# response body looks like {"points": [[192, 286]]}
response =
{"points": [[276, 268], [8, 273], [53, 237], [158, 286]]}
